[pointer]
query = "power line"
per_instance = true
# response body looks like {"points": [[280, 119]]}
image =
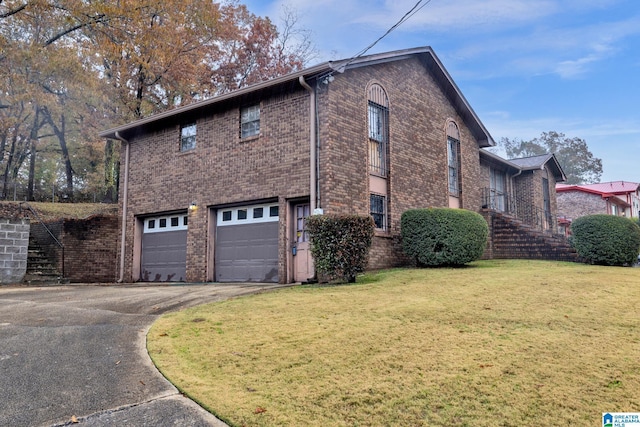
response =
{"points": [[415, 9]]}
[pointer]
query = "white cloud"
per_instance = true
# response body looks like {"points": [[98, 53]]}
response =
{"points": [[448, 15]]}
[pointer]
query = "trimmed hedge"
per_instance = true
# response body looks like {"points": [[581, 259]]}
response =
{"points": [[443, 236], [606, 239], [340, 245]]}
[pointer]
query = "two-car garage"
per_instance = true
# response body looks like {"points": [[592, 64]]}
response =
{"points": [[245, 245]]}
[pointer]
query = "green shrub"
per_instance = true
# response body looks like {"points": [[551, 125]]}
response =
{"points": [[443, 236], [606, 239], [340, 245]]}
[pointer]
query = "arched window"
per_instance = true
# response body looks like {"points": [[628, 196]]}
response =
{"points": [[378, 130], [378, 124], [453, 158]]}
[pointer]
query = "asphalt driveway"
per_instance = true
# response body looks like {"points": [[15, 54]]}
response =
{"points": [[78, 353]]}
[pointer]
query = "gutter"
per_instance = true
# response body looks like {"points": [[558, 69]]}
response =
{"points": [[125, 201], [313, 176]]}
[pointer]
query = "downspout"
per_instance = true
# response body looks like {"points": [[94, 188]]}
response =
{"points": [[124, 204], [312, 144]]}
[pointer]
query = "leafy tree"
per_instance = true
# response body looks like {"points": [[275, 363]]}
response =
{"points": [[577, 162], [69, 68]]}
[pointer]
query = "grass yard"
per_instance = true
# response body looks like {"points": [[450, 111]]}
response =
{"points": [[508, 343]]}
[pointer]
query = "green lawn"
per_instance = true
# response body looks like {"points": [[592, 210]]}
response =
{"points": [[508, 343]]}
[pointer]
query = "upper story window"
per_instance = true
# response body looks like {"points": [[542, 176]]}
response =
{"points": [[250, 121], [378, 109], [188, 137], [453, 158]]}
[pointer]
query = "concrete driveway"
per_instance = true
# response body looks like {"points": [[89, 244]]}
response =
{"points": [[78, 352]]}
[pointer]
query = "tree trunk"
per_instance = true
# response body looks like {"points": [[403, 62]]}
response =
{"points": [[9, 164], [62, 140], [32, 171], [33, 137], [111, 172], [65, 157]]}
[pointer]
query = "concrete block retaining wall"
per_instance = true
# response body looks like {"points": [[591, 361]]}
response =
{"points": [[14, 248]]}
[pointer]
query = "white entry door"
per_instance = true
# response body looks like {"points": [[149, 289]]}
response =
{"points": [[302, 260]]}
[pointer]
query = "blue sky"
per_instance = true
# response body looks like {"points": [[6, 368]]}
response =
{"points": [[525, 66]]}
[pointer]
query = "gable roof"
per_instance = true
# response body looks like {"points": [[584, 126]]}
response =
{"points": [[539, 162], [613, 187], [425, 54], [496, 160]]}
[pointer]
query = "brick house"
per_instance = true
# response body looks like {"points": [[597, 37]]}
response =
{"points": [[523, 187], [219, 190], [621, 198]]}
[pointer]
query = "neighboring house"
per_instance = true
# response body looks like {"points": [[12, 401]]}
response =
{"points": [[620, 198], [219, 190], [524, 187]]}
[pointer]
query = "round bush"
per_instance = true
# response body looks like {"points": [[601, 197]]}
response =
{"points": [[606, 239], [443, 236], [340, 244]]}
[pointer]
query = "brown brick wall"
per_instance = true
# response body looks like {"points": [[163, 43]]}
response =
{"points": [[529, 187], [90, 249], [222, 169], [418, 115], [574, 204]]}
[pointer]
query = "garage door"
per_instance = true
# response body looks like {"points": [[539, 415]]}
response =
{"points": [[164, 249], [246, 247]]}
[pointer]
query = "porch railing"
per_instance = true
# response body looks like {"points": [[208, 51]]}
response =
{"points": [[525, 211]]}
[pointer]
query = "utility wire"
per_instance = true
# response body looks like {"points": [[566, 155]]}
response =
{"points": [[415, 9]]}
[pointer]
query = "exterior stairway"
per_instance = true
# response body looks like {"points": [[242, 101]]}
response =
{"points": [[40, 270], [512, 238]]}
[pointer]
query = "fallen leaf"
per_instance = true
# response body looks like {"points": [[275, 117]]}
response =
{"points": [[74, 419], [164, 334], [259, 410], [142, 382]]}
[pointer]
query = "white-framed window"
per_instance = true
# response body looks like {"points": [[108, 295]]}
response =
{"points": [[453, 158], [250, 121], [188, 137], [160, 224], [268, 212], [378, 207], [378, 118]]}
